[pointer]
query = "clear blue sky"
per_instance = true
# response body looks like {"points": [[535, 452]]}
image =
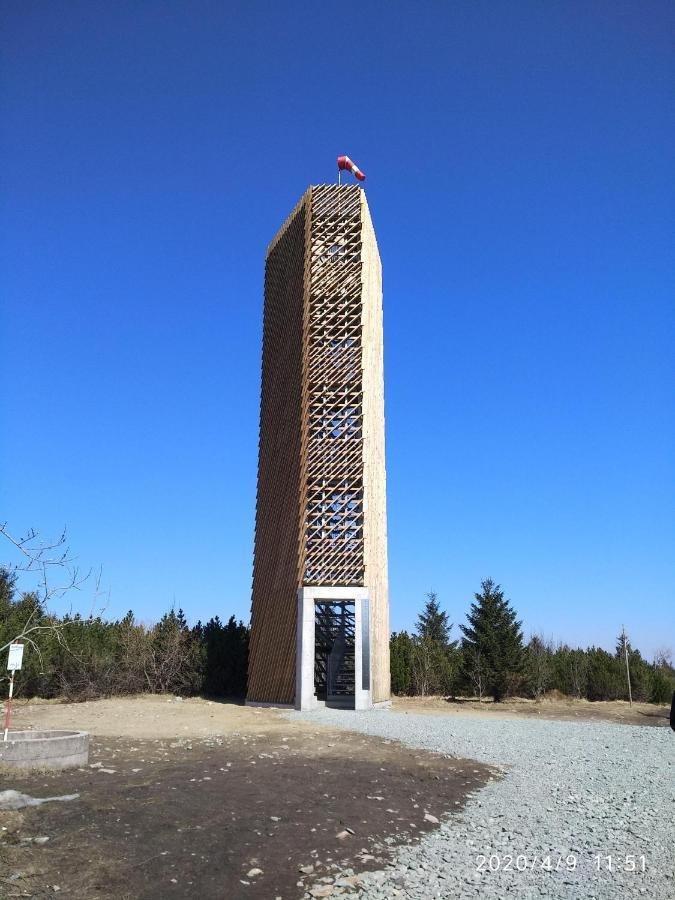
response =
{"points": [[519, 160]]}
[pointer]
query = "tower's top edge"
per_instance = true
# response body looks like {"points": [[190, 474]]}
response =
{"points": [[296, 209], [347, 188]]}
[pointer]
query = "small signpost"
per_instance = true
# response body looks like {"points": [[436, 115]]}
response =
{"points": [[14, 661]]}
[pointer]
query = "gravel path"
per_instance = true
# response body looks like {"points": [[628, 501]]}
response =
{"points": [[570, 791]]}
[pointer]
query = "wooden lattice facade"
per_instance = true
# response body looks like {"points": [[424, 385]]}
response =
{"points": [[321, 511]]}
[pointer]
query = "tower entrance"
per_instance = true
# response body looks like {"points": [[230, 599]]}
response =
{"points": [[333, 660], [334, 652]]}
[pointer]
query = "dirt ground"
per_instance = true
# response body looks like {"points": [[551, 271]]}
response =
{"points": [[199, 798], [149, 716], [565, 709], [161, 717]]}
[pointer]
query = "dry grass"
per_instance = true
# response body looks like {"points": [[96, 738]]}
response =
{"points": [[552, 706]]}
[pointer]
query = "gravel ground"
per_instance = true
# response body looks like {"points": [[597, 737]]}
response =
{"points": [[570, 792]]}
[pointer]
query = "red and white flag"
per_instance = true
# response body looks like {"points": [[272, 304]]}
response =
{"points": [[345, 163]]}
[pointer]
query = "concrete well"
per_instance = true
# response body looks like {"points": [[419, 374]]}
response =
{"points": [[44, 749]]}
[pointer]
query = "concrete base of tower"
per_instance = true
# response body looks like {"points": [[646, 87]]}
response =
{"points": [[265, 705], [333, 665]]}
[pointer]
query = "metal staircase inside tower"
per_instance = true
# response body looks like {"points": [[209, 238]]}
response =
{"points": [[334, 666]]}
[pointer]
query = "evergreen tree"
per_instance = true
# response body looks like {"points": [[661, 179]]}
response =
{"points": [[620, 650], [7, 588], [539, 665], [432, 623], [226, 657], [606, 675], [400, 650], [494, 635], [433, 655]]}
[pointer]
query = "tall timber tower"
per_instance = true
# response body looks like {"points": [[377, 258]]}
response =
{"points": [[320, 606]]}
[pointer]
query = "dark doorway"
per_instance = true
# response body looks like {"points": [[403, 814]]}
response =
{"points": [[334, 652]]}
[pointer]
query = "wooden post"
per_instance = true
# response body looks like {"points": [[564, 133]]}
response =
{"points": [[9, 704], [625, 653]]}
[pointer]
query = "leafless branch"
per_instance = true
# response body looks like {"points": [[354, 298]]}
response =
{"points": [[45, 559]]}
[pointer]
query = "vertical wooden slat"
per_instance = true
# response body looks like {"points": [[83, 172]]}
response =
{"points": [[278, 510]]}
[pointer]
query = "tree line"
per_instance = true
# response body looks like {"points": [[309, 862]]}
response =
{"points": [[84, 658], [491, 659]]}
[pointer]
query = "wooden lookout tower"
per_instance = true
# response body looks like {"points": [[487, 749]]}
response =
{"points": [[320, 609]]}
